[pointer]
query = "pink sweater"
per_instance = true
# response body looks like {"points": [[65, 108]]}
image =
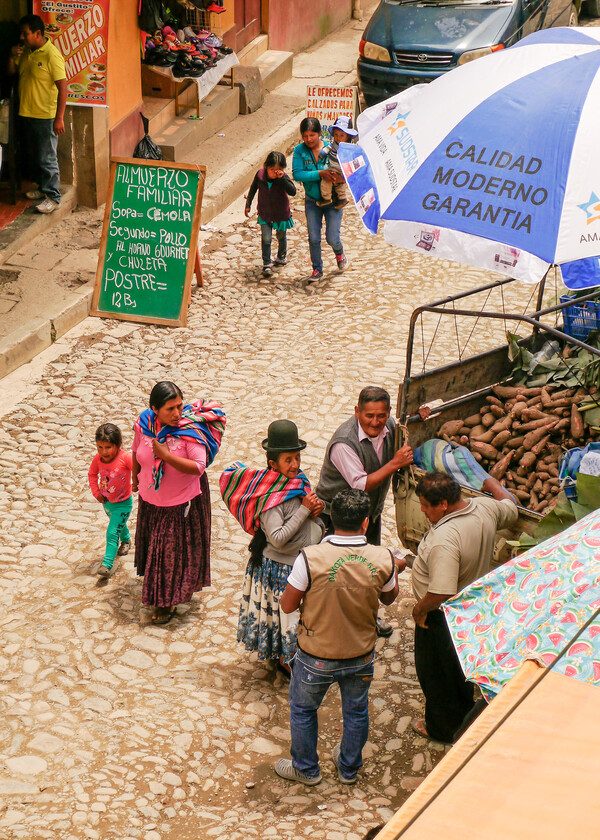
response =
{"points": [[176, 488], [113, 480]]}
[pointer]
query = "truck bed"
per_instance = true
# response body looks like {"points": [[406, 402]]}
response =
{"points": [[462, 387]]}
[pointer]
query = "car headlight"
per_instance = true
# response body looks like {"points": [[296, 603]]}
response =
{"points": [[471, 55], [375, 52]]}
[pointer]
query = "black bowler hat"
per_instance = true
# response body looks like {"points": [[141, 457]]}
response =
{"points": [[283, 437]]}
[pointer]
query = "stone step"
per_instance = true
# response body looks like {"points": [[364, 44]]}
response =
{"points": [[181, 134], [275, 67], [253, 51], [159, 112]]}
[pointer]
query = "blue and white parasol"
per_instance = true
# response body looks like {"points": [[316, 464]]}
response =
{"points": [[495, 164]]}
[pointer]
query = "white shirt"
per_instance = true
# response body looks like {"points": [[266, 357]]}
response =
{"points": [[298, 577], [347, 462]]}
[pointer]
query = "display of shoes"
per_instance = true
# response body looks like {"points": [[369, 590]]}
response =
{"points": [[186, 52]]}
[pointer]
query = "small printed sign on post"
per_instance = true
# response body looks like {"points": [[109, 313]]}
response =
{"points": [[327, 103], [149, 241]]}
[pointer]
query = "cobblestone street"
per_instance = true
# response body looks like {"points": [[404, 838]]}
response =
{"points": [[113, 728]]}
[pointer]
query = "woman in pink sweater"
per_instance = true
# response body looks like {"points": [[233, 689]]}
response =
{"points": [[172, 446]]}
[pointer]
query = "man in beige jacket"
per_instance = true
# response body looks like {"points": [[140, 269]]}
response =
{"points": [[337, 585]]}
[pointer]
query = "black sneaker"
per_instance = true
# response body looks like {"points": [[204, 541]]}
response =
{"points": [[316, 275], [267, 271], [278, 261]]}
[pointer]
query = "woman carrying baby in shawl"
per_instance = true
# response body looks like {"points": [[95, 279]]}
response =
{"points": [[276, 506], [172, 446]]}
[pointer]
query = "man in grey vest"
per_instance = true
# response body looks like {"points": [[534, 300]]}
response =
{"points": [[361, 455], [337, 585]]}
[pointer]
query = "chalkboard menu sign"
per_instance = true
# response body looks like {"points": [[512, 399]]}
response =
{"points": [[149, 241]]}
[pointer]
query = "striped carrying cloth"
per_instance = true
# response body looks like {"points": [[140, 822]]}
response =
{"points": [[248, 492], [202, 420], [456, 461]]}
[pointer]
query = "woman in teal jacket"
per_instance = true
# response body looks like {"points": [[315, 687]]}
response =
{"points": [[309, 167]]}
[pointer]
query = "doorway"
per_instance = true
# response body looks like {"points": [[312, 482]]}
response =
{"points": [[247, 22]]}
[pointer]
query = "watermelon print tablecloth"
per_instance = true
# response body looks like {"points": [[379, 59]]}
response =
{"points": [[531, 608]]}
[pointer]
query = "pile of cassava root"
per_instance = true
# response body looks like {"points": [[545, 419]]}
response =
{"points": [[519, 436]]}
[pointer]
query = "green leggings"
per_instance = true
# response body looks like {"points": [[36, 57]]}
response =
{"points": [[117, 531]]}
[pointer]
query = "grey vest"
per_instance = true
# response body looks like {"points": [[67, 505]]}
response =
{"points": [[331, 481]]}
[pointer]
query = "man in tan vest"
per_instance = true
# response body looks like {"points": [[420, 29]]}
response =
{"points": [[337, 585]]}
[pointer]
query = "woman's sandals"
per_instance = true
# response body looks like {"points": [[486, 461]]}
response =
{"points": [[162, 615]]}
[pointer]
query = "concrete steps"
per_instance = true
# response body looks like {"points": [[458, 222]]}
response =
{"points": [[177, 136], [275, 67], [250, 54]]}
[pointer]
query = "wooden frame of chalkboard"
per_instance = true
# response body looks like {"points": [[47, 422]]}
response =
{"points": [[149, 241]]}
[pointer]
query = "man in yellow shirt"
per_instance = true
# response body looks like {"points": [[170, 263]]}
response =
{"points": [[43, 97]]}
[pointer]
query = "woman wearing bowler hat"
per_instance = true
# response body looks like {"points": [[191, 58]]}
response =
{"points": [[276, 506]]}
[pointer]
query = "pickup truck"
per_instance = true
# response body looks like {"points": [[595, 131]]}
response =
{"points": [[458, 389]]}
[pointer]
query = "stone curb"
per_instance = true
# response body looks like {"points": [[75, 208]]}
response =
{"points": [[22, 345]]}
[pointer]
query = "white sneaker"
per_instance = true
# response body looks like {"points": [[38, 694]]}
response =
{"points": [[47, 206], [35, 194]]}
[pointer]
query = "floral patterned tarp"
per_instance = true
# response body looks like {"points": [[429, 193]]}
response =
{"points": [[530, 608]]}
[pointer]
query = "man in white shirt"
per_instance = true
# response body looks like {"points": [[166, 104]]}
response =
{"points": [[361, 455], [337, 585]]}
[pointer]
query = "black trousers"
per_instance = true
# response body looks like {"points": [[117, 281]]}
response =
{"points": [[373, 531], [448, 695]]}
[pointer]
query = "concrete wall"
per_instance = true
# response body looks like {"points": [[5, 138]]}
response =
{"points": [[294, 25], [124, 78]]}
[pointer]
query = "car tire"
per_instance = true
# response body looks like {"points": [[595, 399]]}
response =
{"points": [[573, 16], [592, 8]]}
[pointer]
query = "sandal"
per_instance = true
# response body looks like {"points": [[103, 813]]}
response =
{"points": [[418, 725], [163, 615]]}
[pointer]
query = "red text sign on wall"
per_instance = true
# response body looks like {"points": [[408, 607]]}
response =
{"points": [[327, 103], [79, 30]]}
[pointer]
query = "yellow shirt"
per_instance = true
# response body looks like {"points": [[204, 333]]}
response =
{"points": [[38, 71]]}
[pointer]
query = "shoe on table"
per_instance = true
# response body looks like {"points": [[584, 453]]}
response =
{"points": [[267, 271], [316, 275], [278, 261], [342, 262], [124, 548], [105, 571], [345, 780], [33, 195], [47, 206], [383, 628], [285, 769]]}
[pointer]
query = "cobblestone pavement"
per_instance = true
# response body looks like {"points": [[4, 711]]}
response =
{"points": [[113, 728]]}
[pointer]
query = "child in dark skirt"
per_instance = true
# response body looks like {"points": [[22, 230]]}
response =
{"points": [[274, 188]]}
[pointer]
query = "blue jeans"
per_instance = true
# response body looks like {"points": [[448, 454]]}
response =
{"points": [[42, 143], [333, 227], [309, 683], [267, 238], [117, 532]]}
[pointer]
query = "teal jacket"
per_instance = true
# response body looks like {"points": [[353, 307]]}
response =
{"points": [[306, 171]]}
